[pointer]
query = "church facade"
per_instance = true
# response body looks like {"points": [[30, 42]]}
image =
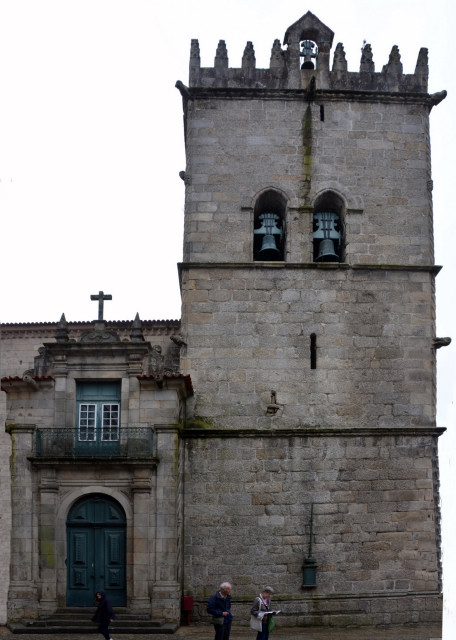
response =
{"points": [[284, 430]]}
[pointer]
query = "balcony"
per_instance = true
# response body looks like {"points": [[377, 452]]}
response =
{"points": [[133, 441]]}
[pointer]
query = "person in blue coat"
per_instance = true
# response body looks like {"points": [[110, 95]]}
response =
{"points": [[219, 607], [104, 614]]}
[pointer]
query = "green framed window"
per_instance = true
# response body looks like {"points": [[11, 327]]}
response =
{"points": [[98, 417]]}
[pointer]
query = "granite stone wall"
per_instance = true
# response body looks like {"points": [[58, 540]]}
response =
{"points": [[248, 501], [373, 154], [249, 333]]}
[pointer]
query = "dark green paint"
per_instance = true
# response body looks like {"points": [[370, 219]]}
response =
{"points": [[96, 541]]}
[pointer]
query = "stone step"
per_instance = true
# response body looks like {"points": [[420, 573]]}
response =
{"points": [[79, 621], [17, 628], [120, 617]]}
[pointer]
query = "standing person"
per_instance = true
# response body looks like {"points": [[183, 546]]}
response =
{"points": [[104, 613], [262, 604], [219, 606]]}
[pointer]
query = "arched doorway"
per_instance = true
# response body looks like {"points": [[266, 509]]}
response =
{"points": [[96, 533]]}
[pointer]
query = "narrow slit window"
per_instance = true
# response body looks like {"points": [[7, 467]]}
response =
{"points": [[313, 351]]}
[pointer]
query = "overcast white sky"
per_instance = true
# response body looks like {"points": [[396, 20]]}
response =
{"points": [[91, 144]]}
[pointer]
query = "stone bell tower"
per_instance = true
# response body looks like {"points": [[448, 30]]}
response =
{"points": [[308, 322]]}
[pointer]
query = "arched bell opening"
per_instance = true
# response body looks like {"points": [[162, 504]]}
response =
{"points": [[309, 52], [328, 226], [269, 227]]}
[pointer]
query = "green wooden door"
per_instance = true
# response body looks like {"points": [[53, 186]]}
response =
{"points": [[95, 551], [98, 418]]}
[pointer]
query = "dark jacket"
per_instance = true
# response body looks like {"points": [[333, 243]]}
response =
{"points": [[104, 612], [217, 605]]}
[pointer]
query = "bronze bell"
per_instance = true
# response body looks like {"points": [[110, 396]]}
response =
{"points": [[309, 51], [268, 249], [269, 230], [326, 251], [327, 231]]}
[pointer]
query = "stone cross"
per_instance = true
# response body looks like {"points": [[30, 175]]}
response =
{"points": [[101, 297]]}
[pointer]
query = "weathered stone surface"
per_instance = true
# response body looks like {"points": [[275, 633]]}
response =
{"points": [[352, 425]]}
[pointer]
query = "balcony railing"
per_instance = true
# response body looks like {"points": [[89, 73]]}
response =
{"points": [[131, 441]]}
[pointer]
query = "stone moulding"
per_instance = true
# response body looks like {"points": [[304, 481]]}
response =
{"points": [[48, 329], [9, 383], [221, 432], [307, 596], [301, 95], [434, 269], [150, 462]]}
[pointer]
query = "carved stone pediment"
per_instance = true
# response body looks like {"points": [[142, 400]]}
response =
{"points": [[98, 336]]}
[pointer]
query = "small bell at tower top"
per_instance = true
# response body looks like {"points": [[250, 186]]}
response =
{"points": [[309, 50]]}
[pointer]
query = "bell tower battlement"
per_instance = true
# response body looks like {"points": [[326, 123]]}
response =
{"points": [[303, 59], [299, 140], [308, 220]]}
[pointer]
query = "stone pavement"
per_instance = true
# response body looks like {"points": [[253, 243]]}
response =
{"points": [[196, 632], [313, 633]]}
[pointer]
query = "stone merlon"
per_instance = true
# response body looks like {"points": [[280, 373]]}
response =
{"points": [[305, 55]]}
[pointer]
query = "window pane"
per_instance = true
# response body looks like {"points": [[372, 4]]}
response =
{"points": [[110, 427], [87, 422]]}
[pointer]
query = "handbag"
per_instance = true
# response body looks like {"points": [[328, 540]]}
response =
{"points": [[255, 623], [218, 620], [271, 623]]}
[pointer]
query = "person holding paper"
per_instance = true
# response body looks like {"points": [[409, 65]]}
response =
{"points": [[261, 609]]}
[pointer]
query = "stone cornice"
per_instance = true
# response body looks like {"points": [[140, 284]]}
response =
{"points": [[301, 95], [220, 432], [48, 329], [147, 462], [431, 268], [308, 596], [178, 381], [309, 265], [74, 348], [167, 428]]}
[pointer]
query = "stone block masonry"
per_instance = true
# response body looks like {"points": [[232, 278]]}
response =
{"points": [[248, 514], [366, 152], [375, 364]]}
